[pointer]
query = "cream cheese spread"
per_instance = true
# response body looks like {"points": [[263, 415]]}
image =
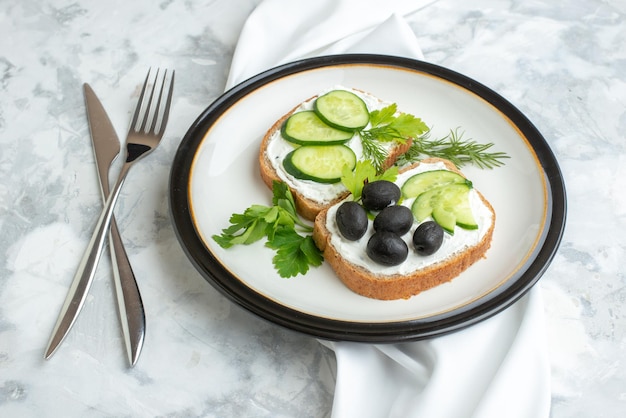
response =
{"points": [[278, 148], [355, 251]]}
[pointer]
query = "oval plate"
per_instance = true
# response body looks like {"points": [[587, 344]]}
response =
{"points": [[215, 174]]}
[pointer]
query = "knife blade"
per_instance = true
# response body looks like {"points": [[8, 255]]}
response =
{"points": [[106, 146]]}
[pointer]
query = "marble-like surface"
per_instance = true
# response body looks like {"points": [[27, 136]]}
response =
{"points": [[561, 63]]}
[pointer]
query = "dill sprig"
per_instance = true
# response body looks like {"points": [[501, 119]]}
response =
{"points": [[455, 148], [373, 150]]}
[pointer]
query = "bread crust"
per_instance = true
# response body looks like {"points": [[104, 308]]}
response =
{"points": [[308, 208], [390, 287]]}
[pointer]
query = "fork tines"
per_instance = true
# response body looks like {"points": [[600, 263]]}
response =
{"points": [[151, 115]]}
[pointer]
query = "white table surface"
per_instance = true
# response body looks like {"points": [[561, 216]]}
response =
{"points": [[562, 63]]}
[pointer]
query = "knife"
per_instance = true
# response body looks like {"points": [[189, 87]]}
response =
{"points": [[106, 147]]}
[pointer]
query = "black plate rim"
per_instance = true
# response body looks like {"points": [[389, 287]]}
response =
{"points": [[388, 332]]}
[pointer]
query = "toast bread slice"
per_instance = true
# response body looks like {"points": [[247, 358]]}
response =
{"points": [[308, 207], [400, 286]]}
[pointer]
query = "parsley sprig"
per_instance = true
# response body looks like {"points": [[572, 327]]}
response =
{"points": [[365, 172], [281, 225]]}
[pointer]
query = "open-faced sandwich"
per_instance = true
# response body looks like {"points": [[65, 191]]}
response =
{"points": [[428, 226], [309, 147]]}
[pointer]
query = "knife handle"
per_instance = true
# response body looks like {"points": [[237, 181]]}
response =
{"points": [[129, 302], [83, 278]]}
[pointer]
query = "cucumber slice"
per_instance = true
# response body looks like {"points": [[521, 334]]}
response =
{"points": [[448, 205], [343, 110], [464, 216], [319, 163], [445, 219], [306, 128], [421, 182], [422, 207]]}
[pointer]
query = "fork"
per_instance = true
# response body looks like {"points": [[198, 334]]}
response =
{"points": [[145, 133]]}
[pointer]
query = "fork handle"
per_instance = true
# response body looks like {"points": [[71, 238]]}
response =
{"points": [[86, 270]]}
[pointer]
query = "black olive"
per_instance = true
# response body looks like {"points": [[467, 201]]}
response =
{"points": [[387, 248], [397, 219], [351, 220], [379, 194], [428, 238]]}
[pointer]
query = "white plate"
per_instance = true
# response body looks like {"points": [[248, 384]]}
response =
{"points": [[215, 174]]}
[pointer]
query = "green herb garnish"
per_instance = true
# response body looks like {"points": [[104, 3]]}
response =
{"points": [[363, 173], [280, 224], [386, 126], [454, 148]]}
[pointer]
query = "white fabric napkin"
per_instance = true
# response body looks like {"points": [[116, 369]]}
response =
{"points": [[497, 368]]}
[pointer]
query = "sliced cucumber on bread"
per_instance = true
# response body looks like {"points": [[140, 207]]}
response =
{"points": [[448, 205], [320, 163], [343, 110], [306, 128], [422, 182]]}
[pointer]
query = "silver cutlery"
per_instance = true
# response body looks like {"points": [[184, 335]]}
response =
{"points": [[106, 147], [145, 132]]}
